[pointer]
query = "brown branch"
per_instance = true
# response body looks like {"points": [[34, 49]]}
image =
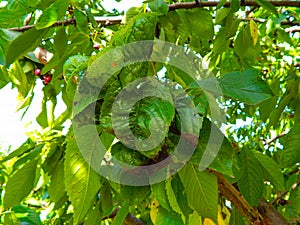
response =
{"points": [[132, 220], [191, 5], [292, 29], [129, 220], [27, 19], [235, 197], [275, 138], [290, 23], [270, 214], [104, 21], [264, 214], [280, 195]]}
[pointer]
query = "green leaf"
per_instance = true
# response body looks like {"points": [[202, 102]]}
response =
{"points": [[282, 35], [27, 157], [277, 111], [172, 198], [12, 18], [194, 218], [137, 193], [17, 187], [45, 4], [75, 66], [268, 6], [181, 197], [164, 217], [81, 21], [122, 213], [106, 199], [271, 170], [243, 45], [290, 156], [42, 118], [159, 191], [294, 202], [81, 181], [24, 43], [127, 155], [4, 78], [52, 14], [266, 108], [221, 42], [27, 215], [222, 14], [93, 216], [251, 180], [201, 190], [245, 86], [236, 218], [191, 18], [221, 3], [179, 76], [6, 37], [90, 16], [132, 12], [23, 4], [159, 6], [24, 148], [60, 42], [254, 31], [149, 118], [174, 27], [234, 5], [223, 161], [9, 217], [57, 187], [107, 139], [199, 33], [19, 78]]}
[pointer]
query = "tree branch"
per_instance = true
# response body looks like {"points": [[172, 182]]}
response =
{"points": [[292, 29], [129, 220], [235, 197], [190, 5], [107, 21], [104, 21], [277, 137], [270, 214], [265, 213]]}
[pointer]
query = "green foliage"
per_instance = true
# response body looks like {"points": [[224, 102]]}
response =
{"points": [[81, 181], [201, 190], [251, 74], [18, 187], [20, 45]]}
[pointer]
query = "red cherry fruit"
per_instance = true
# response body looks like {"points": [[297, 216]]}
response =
{"points": [[47, 79], [37, 71], [96, 46]]}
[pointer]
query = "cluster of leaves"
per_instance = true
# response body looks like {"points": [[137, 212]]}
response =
{"points": [[254, 61]]}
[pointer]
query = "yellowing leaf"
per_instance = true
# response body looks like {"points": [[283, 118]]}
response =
{"points": [[154, 210], [254, 31], [208, 221], [224, 215], [220, 217]]}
